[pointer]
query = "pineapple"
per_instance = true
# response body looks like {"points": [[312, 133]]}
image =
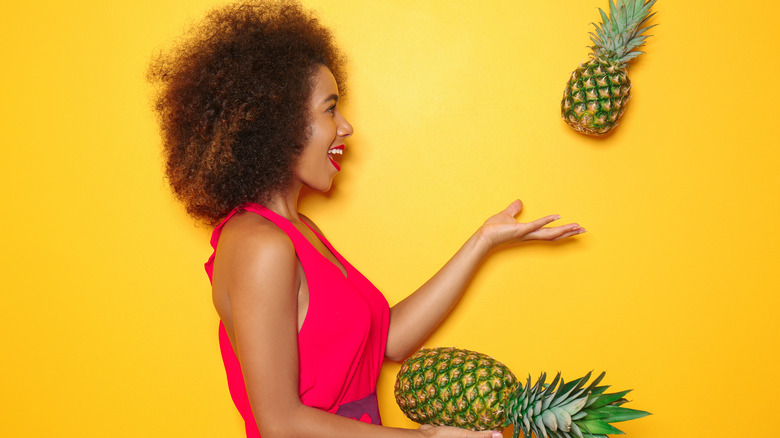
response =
{"points": [[598, 90], [462, 388]]}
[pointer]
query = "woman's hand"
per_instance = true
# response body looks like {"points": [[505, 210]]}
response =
{"points": [[503, 228], [454, 432]]}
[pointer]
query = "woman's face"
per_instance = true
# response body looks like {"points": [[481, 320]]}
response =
{"points": [[319, 161]]}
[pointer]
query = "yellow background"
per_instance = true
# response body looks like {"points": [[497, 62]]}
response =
{"points": [[107, 325]]}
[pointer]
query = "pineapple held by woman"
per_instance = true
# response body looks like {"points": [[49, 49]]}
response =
{"points": [[462, 388], [598, 90]]}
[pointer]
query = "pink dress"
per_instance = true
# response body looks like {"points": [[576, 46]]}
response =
{"points": [[342, 342]]}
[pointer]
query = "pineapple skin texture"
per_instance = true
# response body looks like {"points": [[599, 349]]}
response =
{"points": [[596, 96], [447, 386]]}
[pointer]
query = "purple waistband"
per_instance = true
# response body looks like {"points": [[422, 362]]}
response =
{"points": [[366, 409]]}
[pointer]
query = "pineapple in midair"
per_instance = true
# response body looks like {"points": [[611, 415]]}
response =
{"points": [[462, 388], [598, 90]]}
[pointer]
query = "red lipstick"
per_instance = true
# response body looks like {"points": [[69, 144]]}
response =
{"points": [[338, 150]]}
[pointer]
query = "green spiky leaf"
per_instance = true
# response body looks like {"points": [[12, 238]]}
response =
{"points": [[599, 390], [605, 399], [616, 414], [599, 427]]}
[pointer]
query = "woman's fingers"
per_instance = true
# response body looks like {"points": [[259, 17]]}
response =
{"points": [[539, 223], [555, 233], [579, 230]]}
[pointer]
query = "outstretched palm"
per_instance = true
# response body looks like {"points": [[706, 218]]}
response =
{"points": [[503, 228]]}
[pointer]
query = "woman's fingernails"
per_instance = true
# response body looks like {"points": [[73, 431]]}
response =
{"points": [[497, 435]]}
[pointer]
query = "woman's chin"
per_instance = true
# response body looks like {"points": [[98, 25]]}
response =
{"points": [[323, 188]]}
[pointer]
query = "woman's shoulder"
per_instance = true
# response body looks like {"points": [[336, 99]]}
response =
{"points": [[253, 235]]}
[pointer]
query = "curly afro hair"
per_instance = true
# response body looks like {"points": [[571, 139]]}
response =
{"points": [[233, 102]]}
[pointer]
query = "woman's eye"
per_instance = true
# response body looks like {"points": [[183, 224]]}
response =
{"points": [[332, 108]]}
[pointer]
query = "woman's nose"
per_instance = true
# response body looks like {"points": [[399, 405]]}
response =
{"points": [[345, 129]]}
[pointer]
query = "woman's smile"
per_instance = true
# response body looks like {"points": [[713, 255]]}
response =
{"points": [[334, 154]]}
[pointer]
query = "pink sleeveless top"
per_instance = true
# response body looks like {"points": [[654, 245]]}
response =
{"points": [[341, 343]]}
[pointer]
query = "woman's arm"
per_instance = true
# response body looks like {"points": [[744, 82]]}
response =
{"points": [[257, 266], [414, 318]]}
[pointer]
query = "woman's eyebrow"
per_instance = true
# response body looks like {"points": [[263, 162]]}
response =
{"points": [[333, 97]]}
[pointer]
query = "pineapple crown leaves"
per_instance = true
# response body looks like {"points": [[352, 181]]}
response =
{"points": [[620, 33], [568, 410]]}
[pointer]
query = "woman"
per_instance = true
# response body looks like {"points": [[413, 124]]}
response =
{"points": [[249, 109]]}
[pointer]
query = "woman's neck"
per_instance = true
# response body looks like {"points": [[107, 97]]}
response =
{"points": [[285, 203]]}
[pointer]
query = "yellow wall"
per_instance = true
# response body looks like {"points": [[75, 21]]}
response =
{"points": [[107, 323]]}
